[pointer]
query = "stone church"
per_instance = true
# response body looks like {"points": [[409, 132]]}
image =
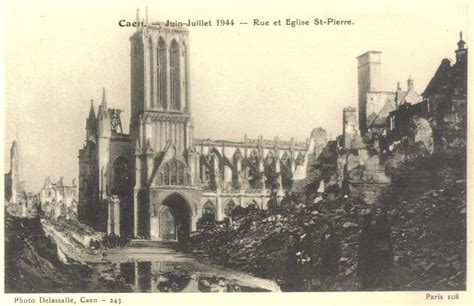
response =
{"points": [[157, 181]]}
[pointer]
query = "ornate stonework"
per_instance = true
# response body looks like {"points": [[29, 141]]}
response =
{"points": [[175, 174]]}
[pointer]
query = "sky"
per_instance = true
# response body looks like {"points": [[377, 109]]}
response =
{"points": [[244, 79]]}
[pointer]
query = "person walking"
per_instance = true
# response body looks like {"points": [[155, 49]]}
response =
{"points": [[291, 270], [329, 256], [307, 256], [383, 249], [365, 268]]}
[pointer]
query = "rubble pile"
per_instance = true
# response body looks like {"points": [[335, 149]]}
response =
{"points": [[257, 242], [76, 233], [426, 205], [429, 234], [32, 262]]}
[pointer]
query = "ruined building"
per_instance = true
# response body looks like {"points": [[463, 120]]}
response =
{"points": [[375, 103], [58, 200], [13, 185], [434, 122], [19, 202], [157, 181], [440, 119]]}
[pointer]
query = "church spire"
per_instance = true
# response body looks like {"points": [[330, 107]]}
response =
{"points": [[104, 97], [461, 52], [461, 42], [91, 110], [91, 124], [103, 109], [137, 17]]}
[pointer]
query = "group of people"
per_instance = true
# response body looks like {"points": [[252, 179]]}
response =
{"points": [[375, 255], [114, 241], [94, 246]]}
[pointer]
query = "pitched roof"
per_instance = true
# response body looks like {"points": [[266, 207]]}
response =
{"points": [[439, 82]]}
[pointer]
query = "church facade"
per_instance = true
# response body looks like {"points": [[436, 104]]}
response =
{"points": [[157, 181]]}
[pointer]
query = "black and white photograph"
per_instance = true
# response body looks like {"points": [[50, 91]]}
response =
{"points": [[253, 147]]}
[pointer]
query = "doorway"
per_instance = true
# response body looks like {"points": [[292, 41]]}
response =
{"points": [[175, 219]]}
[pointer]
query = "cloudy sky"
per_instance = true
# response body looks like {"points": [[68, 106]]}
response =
{"points": [[251, 80]]}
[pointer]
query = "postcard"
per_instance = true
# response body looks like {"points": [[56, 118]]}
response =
{"points": [[289, 152]]}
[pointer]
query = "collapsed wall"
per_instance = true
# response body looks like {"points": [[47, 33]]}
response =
{"points": [[360, 172]]}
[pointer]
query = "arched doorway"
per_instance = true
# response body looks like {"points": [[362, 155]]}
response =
{"points": [[167, 225], [175, 218]]}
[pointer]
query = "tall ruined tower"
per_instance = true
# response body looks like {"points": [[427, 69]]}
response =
{"points": [[161, 130], [14, 172], [349, 129], [369, 80]]}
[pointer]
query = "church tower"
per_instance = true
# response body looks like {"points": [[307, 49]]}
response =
{"points": [[369, 80], [161, 129], [160, 108]]}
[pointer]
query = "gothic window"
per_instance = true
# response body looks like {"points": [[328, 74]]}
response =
{"points": [[300, 159], [173, 172], [174, 76], [206, 176], [166, 174], [185, 77], [270, 169], [246, 172], [284, 158], [270, 158], [179, 171], [152, 70], [254, 158], [161, 73], [237, 156], [208, 208], [285, 166]]}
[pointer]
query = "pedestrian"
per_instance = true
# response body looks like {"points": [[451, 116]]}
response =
{"points": [[383, 248], [291, 269], [96, 246], [365, 268], [92, 246], [347, 204], [307, 255], [329, 256]]}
